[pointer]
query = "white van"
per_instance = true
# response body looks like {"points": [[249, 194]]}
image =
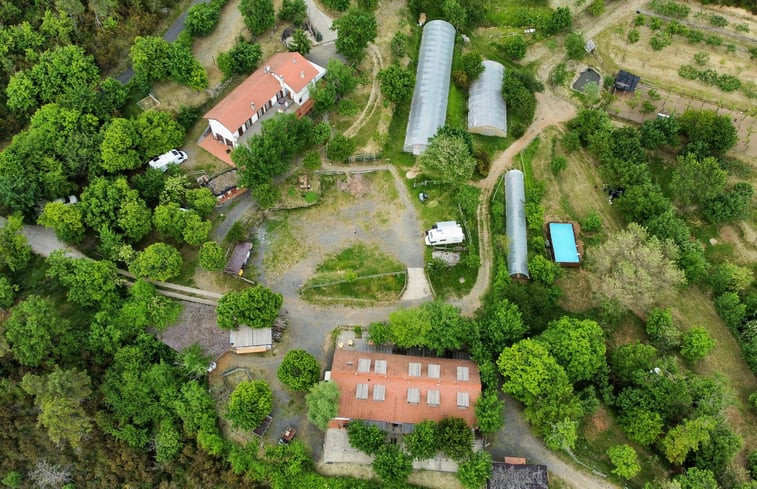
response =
{"points": [[445, 232], [173, 157]]}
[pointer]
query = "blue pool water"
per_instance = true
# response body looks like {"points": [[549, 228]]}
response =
{"points": [[563, 242]]}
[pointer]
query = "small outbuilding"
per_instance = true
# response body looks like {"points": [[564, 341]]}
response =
{"points": [[238, 260], [515, 209], [251, 340], [626, 81], [487, 114], [428, 109], [562, 241]]}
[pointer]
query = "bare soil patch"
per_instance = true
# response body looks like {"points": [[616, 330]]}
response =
{"points": [[744, 239]]}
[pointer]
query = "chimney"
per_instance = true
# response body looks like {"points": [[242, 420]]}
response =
{"points": [[252, 105], [302, 74]]}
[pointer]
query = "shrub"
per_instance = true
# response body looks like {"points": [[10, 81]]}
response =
{"points": [[339, 5], [702, 57], [728, 83], [688, 72], [203, 17], [558, 164], [571, 140], [515, 46], [655, 23], [660, 40], [696, 344], [392, 465], [559, 75], [312, 161], [13, 479], [625, 461], [266, 194], [320, 134], [242, 59], [212, 257], [574, 45], [742, 27], [695, 36], [751, 461], [647, 107], [661, 330], [399, 44], [591, 223], [718, 20], [670, 8], [294, 11], [455, 438], [638, 20], [713, 40], [340, 148]]}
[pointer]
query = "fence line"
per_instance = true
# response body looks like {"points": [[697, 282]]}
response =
{"points": [[347, 170], [377, 275]]}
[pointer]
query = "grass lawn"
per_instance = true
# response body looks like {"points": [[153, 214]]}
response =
{"points": [[346, 277]]}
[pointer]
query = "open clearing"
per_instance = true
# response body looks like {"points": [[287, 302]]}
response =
{"points": [[355, 208]]}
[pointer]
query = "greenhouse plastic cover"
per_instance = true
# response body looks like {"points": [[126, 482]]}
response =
{"points": [[428, 109], [487, 114], [515, 204]]}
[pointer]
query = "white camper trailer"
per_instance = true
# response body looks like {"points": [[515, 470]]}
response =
{"points": [[445, 232]]}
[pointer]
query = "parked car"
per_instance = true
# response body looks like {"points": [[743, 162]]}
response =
{"points": [[71, 199], [287, 436], [173, 157]]}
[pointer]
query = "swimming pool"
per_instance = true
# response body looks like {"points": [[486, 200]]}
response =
{"points": [[563, 242]]}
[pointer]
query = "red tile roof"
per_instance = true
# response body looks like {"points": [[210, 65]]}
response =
{"points": [[260, 87], [397, 381]]}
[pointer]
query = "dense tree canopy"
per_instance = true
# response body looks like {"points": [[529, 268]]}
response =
{"points": [[448, 158], [392, 464], [323, 403], [158, 261], [36, 333], [259, 15], [577, 345], [397, 83], [15, 251], [249, 404], [255, 307], [696, 180]]}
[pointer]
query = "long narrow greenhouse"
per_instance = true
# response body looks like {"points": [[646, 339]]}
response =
{"points": [[515, 204], [428, 109], [487, 114]]}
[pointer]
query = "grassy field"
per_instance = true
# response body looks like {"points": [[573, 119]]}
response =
{"points": [[345, 276]]}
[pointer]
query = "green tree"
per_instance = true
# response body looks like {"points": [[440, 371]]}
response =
{"points": [[36, 332], [624, 460], [196, 230], [299, 370], [266, 195], [249, 404], [202, 17], [89, 283], [696, 344], [196, 408], [202, 201], [151, 57], [340, 148], [59, 396], [696, 179], [455, 438], [448, 158], [502, 327], [467, 68], [696, 478], [661, 330], [66, 220], [708, 132], [631, 360], [560, 20], [397, 83], [13, 479], [574, 45], [135, 219], [561, 435], [7, 294], [367, 438], [544, 270], [635, 268], [15, 251], [489, 412], [294, 11], [422, 444], [323, 403], [515, 46], [212, 257], [241, 59], [476, 470], [300, 42], [731, 205], [687, 437], [158, 261], [531, 372], [258, 15], [355, 30], [194, 361], [455, 13], [157, 132], [255, 307], [577, 345], [642, 426], [168, 442], [392, 465]]}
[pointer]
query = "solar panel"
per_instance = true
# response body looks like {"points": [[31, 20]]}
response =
{"points": [[463, 401], [379, 392], [434, 370], [463, 374], [414, 369], [362, 391], [364, 365], [380, 366], [413, 395], [433, 397]]}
